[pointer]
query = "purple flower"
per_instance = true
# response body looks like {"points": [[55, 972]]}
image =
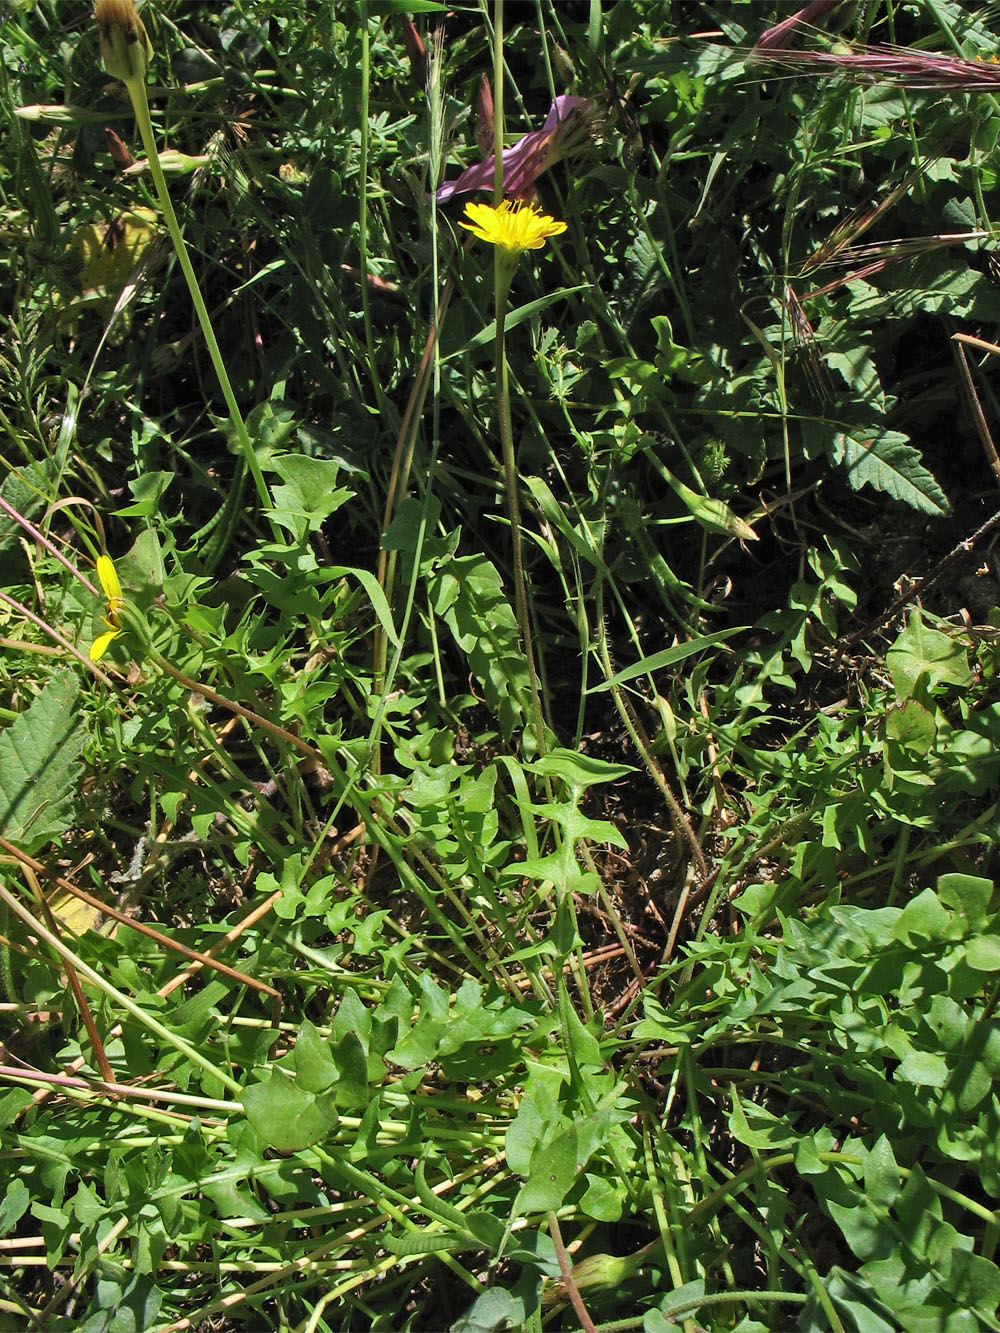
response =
{"points": [[571, 125]]}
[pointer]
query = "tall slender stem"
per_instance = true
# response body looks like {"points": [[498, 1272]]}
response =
{"points": [[137, 93], [502, 287]]}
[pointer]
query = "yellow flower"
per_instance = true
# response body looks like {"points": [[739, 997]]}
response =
{"points": [[513, 226], [108, 576], [125, 48]]}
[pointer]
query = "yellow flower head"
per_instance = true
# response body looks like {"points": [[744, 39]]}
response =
{"points": [[125, 48], [108, 576], [513, 226]]}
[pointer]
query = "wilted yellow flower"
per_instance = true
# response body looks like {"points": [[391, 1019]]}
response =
{"points": [[512, 225], [125, 48], [105, 259], [108, 576]]}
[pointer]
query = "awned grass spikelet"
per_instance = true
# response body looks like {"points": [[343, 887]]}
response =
{"points": [[899, 66]]}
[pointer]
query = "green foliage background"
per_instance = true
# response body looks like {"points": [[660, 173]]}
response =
{"points": [[496, 1000]]}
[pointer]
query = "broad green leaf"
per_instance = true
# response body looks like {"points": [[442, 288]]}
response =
{"points": [[315, 1069], [24, 489], [912, 726], [523, 1134], [601, 1201], [684, 1299], [13, 1205], [922, 651], [967, 894], [551, 1175], [881, 1174], [412, 515], [758, 1128], [106, 257], [974, 1282], [923, 918], [351, 1016], [584, 1045], [886, 461], [495, 1309], [674, 359], [467, 593], [122, 1303], [287, 1117], [983, 953], [310, 493], [40, 772], [576, 825], [269, 426], [925, 1068], [233, 1198], [807, 1159], [141, 569], [969, 761], [87, 1207], [147, 490], [351, 1062], [852, 1296]]}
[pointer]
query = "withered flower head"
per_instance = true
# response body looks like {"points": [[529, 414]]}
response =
{"points": [[572, 125], [125, 48]]}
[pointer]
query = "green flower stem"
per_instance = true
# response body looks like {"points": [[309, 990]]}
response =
{"points": [[140, 105], [502, 280], [363, 195]]}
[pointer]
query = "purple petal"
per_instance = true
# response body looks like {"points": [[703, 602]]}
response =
{"points": [[523, 162], [562, 108]]}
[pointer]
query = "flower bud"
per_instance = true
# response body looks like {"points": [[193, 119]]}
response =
{"points": [[125, 48], [598, 1272], [484, 116]]}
